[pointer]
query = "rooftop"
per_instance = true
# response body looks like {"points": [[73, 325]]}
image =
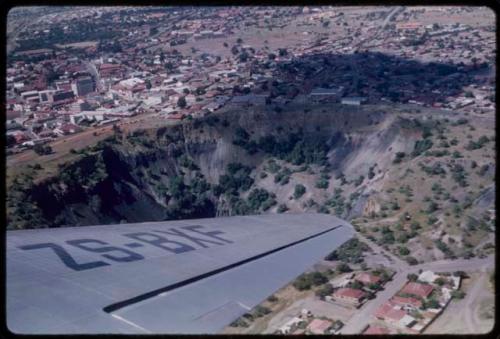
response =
{"points": [[417, 289]]}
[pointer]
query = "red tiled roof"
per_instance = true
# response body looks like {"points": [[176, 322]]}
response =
{"points": [[319, 326], [406, 301], [176, 116], [349, 293], [418, 289], [109, 66], [388, 311], [372, 329]]}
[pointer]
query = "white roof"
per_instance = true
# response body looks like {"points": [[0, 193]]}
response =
{"points": [[428, 276], [406, 320], [131, 82]]}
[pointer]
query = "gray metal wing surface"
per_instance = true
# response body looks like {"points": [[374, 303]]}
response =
{"points": [[190, 276]]}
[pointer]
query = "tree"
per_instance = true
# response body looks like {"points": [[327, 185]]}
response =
{"points": [[282, 208], [411, 260], [42, 150], [11, 141], [412, 277], [343, 268], [431, 303], [282, 52], [324, 291], [356, 285], [272, 298], [239, 41], [261, 311], [460, 274], [440, 281], [299, 191], [404, 250], [182, 102]]}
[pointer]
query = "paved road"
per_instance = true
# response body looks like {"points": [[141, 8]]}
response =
{"points": [[93, 70], [471, 306], [395, 11]]}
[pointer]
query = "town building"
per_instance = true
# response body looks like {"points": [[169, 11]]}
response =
{"points": [[349, 295], [356, 101], [393, 314], [417, 289], [83, 86]]}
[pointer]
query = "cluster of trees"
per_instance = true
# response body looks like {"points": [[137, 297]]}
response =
{"points": [[80, 31], [42, 150], [324, 291], [189, 201], [237, 178], [349, 252], [473, 145], [22, 210], [259, 198], [323, 181], [443, 247], [435, 169], [296, 148], [337, 201], [459, 174], [283, 176], [308, 280]]}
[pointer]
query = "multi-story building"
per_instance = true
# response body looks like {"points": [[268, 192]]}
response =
{"points": [[83, 86]]}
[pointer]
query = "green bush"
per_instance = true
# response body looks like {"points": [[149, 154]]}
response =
{"points": [[457, 294], [282, 208]]}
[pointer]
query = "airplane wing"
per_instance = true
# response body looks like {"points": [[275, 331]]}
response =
{"points": [[189, 276]]}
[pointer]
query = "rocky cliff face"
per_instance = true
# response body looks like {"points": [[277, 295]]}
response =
{"points": [[172, 172]]}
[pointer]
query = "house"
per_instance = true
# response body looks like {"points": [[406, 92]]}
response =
{"points": [[374, 329], [66, 129], [349, 295], [176, 116], [326, 94], [407, 303], [319, 326], [108, 70], [367, 278], [393, 314], [430, 277], [290, 325], [353, 101], [417, 289], [19, 136]]}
